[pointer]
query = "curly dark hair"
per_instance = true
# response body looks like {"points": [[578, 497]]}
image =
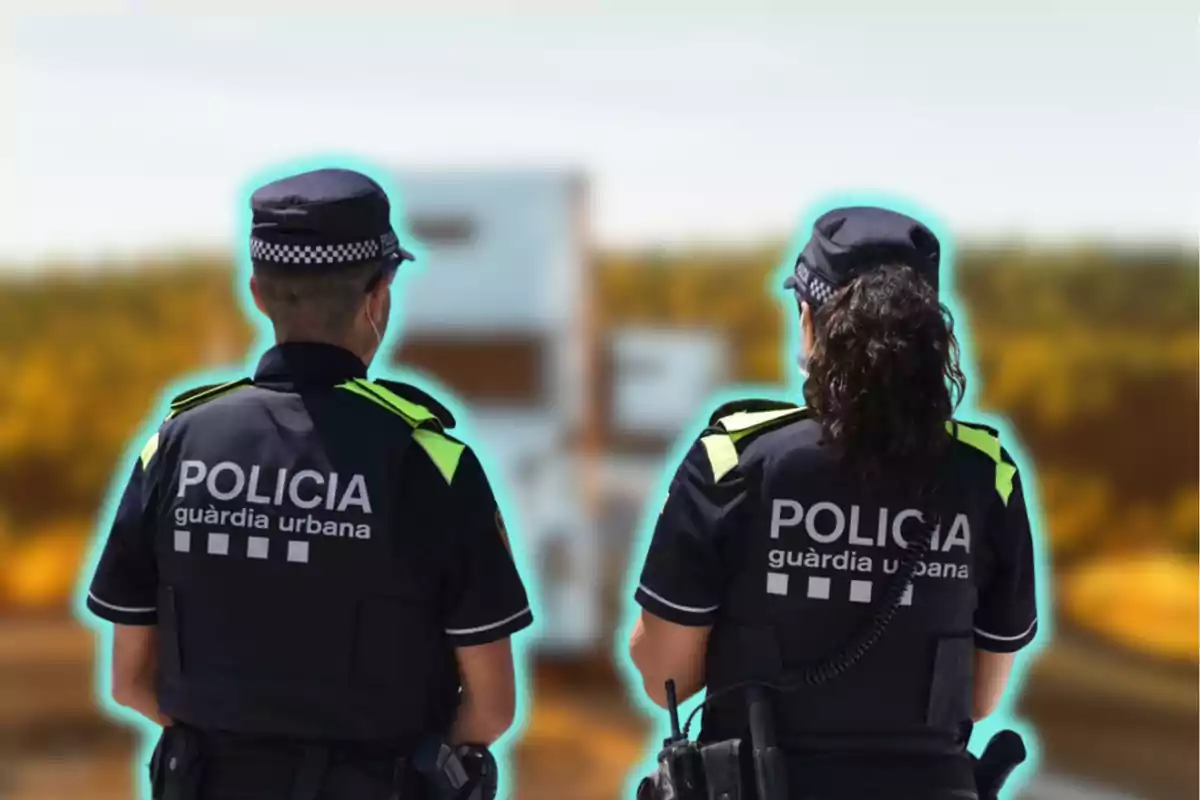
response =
{"points": [[883, 372]]}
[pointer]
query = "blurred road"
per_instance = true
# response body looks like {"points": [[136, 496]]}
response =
{"points": [[1095, 711]]}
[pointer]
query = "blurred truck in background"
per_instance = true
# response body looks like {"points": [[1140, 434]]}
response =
{"points": [[498, 312], [501, 311]]}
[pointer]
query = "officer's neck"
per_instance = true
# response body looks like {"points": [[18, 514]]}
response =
{"points": [[365, 355]]}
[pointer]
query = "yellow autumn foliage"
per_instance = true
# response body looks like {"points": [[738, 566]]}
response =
{"points": [[40, 572], [1148, 602]]}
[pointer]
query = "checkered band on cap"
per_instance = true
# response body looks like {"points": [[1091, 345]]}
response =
{"points": [[812, 285], [346, 253]]}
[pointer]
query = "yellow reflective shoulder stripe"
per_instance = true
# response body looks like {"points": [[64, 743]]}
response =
{"points": [[989, 444], [721, 448], [413, 411], [355, 388], [745, 420], [980, 440], [444, 453], [149, 450], [741, 424], [205, 396], [1005, 475], [722, 454]]}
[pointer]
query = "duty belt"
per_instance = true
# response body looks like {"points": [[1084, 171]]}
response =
{"points": [[188, 764]]}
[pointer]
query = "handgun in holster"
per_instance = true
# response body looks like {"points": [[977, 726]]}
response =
{"points": [[1004, 753], [464, 772]]}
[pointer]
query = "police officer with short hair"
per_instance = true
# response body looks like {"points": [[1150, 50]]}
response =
{"points": [[308, 575], [862, 560]]}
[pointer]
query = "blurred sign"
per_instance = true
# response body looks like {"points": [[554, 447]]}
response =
{"points": [[494, 310], [662, 378], [501, 250]]}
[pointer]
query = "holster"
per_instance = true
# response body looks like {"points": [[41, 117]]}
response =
{"points": [[1003, 754], [465, 772], [177, 765]]}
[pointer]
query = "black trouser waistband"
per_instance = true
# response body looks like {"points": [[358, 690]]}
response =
{"points": [[873, 775], [246, 766]]}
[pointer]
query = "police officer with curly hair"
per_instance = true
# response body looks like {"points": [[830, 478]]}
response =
{"points": [[308, 576], [860, 564]]}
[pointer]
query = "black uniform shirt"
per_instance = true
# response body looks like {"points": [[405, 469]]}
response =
{"points": [[443, 526], [767, 495]]}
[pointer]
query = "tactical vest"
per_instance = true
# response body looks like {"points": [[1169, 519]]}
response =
{"points": [[297, 605], [910, 693]]}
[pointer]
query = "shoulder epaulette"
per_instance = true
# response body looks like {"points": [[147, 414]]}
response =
{"points": [[737, 420], [417, 414], [421, 398], [986, 439], [202, 394], [741, 418], [980, 426], [190, 393], [428, 426], [748, 405]]}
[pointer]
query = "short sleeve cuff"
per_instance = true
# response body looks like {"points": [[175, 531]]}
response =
{"points": [[671, 611], [122, 614], [491, 631], [997, 641]]}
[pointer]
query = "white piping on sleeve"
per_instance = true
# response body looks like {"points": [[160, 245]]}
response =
{"points": [[482, 628], [1008, 638], [126, 609], [676, 606]]}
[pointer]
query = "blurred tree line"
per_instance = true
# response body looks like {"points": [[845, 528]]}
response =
{"points": [[1092, 354]]}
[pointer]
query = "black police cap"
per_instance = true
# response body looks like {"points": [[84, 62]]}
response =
{"points": [[846, 242], [325, 218]]}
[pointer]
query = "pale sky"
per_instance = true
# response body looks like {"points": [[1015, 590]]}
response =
{"points": [[136, 129]]}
